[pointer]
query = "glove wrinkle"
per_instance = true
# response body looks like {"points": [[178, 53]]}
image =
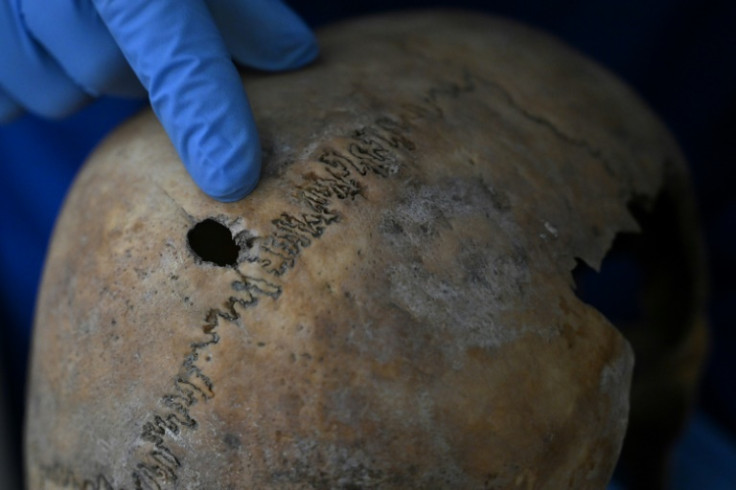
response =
{"points": [[180, 52], [9, 110], [29, 75], [264, 34], [193, 86], [73, 34]]}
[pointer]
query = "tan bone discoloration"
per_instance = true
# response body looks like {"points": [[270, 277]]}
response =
{"points": [[400, 313]]}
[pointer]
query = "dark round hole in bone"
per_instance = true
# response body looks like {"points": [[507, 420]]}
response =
{"points": [[213, 242]]}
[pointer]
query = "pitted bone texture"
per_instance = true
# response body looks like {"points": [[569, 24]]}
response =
{"points": [[400, 314]]}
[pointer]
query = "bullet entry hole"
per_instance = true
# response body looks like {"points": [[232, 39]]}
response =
{"points": [[213, 242]]}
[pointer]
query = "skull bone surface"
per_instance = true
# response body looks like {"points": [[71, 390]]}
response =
{"points": [[391, 308]]}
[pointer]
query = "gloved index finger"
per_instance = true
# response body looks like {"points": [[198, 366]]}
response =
{"points": [[195, 90]]}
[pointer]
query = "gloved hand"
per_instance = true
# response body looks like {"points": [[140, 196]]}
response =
{"points": [[57, 54]]}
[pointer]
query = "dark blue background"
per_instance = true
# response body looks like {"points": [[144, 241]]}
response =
{"points": [[679, 55]]}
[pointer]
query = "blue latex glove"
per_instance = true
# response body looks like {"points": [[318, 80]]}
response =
{"points": [[57, 54]]}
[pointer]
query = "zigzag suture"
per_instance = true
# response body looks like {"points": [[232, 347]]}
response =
{"points": [[379, 149]]}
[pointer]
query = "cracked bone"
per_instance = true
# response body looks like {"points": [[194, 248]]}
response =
{"points": [[399, 310]]}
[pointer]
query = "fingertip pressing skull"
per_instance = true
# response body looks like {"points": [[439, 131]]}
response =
{"points": [[393, 307]]}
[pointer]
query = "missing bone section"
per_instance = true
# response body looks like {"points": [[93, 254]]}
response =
{"points": [[213, 242]]}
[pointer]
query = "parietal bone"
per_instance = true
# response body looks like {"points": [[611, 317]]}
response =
{"points": [[395, 307]]}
